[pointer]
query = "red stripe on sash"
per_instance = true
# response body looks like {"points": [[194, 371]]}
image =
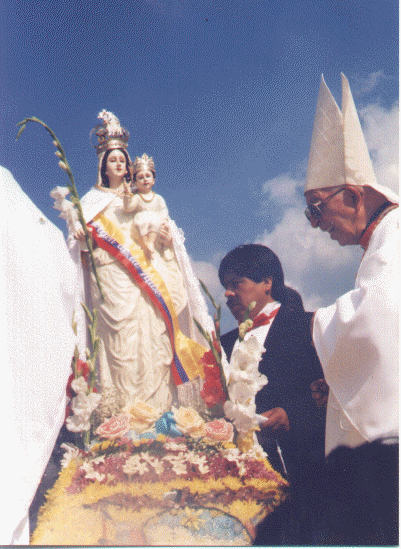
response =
{"points": [[175, 363]]}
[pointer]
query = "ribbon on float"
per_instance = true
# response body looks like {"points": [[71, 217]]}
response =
{"points": [[187, 353]]}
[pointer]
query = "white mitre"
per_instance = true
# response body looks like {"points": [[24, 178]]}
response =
{"points": [[338, 153]]}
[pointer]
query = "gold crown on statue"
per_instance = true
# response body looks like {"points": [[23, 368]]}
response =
{"points": [[110, 134], [143, 163]]}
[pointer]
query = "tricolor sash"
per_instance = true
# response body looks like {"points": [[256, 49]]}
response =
{"points": [[187, 353]]}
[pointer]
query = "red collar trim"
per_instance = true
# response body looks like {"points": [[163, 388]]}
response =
{"points": [[364, 242], [262, 319]]}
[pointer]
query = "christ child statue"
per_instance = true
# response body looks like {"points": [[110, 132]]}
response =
{"points": [[150, 225]]}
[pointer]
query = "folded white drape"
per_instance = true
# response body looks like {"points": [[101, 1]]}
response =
{"points": [[38, 282]]}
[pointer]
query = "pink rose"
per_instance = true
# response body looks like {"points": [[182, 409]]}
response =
{"points": [[114, 427], [220, 430]]}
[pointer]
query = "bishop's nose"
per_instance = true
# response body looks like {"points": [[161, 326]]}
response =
{"points": [[315, 222]]}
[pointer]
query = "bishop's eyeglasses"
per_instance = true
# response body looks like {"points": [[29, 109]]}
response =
{"points": [[313, 211]]}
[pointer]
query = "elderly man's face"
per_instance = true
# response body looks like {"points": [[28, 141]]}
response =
{"points": [[241, 291], [337, 214]]}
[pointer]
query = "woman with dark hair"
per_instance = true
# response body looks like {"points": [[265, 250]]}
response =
{"points": [[293, 433], [149, 343]]}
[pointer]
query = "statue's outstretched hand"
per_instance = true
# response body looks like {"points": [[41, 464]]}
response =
{"points": [[80, 235], [127, 189]]}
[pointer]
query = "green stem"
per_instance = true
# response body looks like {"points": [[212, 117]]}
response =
{"points": [[72, 189], [86, 437]]}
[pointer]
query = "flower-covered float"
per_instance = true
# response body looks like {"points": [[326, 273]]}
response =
{"points": [[195, 488], [192, 476], [185, 477]]}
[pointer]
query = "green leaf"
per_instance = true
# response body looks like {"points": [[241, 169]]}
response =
{"points": [[204, 288], [200, 328]]}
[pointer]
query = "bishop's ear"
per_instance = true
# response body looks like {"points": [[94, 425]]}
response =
{"points": [[353, 197]]}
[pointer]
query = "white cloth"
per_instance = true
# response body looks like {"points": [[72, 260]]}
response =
{"points": [[357, 341], [37, 292], [135, 354]]}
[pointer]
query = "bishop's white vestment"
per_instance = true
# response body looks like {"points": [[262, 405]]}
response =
{"points": [[357, 341]]}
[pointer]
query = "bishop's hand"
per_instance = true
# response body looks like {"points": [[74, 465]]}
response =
{"points": [[320, 392]]}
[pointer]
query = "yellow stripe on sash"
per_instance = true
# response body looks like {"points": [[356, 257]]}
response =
{"points": [[188, 351]]}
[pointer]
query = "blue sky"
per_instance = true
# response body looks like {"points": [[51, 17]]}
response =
{"points": [[221, 93]]}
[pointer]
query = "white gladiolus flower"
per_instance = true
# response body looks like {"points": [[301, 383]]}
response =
{"points": [[242, 416], [83, 405], [241, 392], [94, 399], [247, 354], [244, 327], [79, 385], [59, 193], [78, 423], [244, 382], [242, 387], [66, 207]]}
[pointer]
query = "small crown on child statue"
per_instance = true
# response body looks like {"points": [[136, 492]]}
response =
{"points": [[143, 163], [110, 134]]}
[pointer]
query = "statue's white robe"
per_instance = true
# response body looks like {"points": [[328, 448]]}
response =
{"points": [[129, 316]]}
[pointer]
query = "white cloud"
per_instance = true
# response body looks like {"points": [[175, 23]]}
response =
{"points": [[283, 189], [371, 82], [381, 133], [208, 273]]}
